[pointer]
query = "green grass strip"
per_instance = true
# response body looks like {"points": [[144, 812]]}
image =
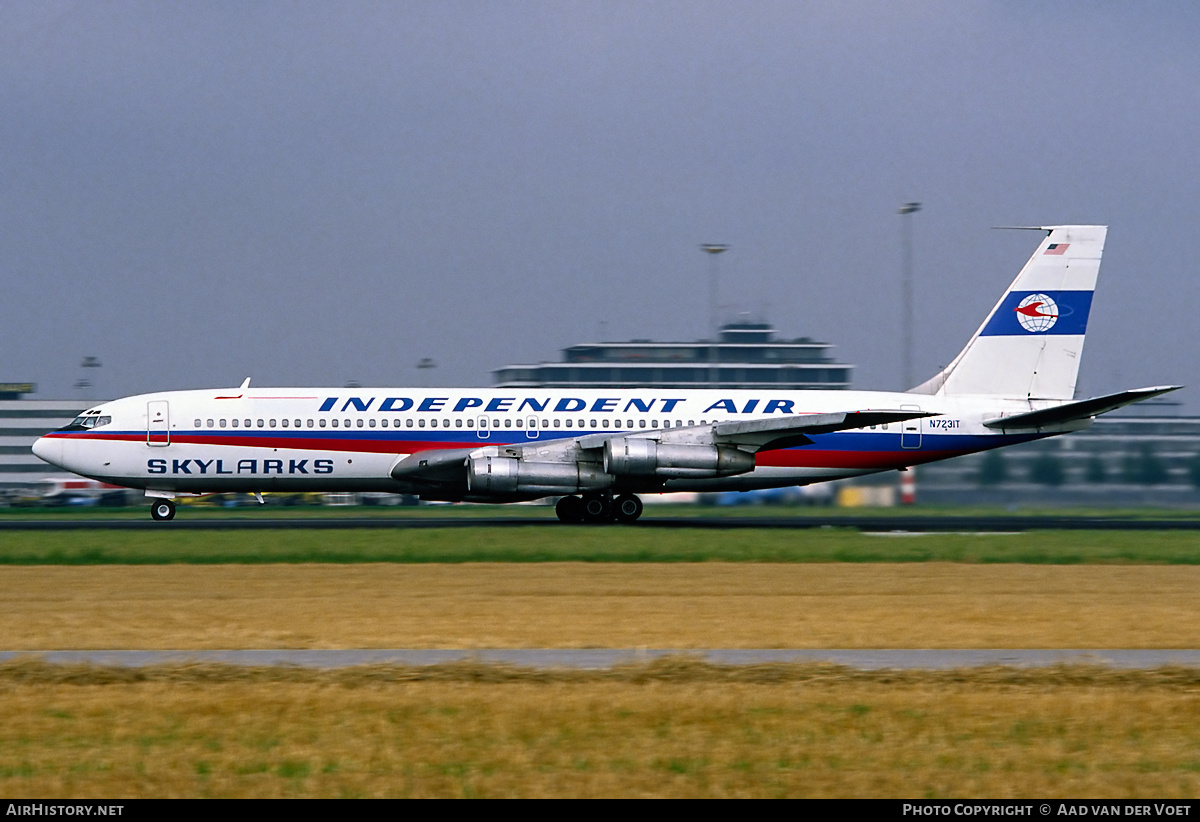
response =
{"points": [[590, 544]]}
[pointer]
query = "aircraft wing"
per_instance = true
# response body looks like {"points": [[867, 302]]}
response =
{"points": [[769, 433], [1079, 410], [446, 469]]}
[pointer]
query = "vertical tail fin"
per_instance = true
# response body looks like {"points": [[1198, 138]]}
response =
{"points": [[1031, 343]]}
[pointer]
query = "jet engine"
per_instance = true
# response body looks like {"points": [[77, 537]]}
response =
{"points": [[507, 475], [648, 458]]}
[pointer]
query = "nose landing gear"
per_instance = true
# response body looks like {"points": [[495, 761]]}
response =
{"points": [[162, 509], [598, 508]]}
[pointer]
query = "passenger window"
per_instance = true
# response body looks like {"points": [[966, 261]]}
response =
{"points": [[556, 423], [593, 423], [260, 423], [310, 425], [371, 423], [285, 423], [359, 422], [197, 424], [272, 423], [458, 422], [383, 422], [322, 422], [234, 422], [421, 423], [345, 423], [618, 423], [247, 423], [334, 423], [581, 423], [654, 423], [568, 423], [545, 423], [641, 423], [519, 423], [691, 422], [210, 424], [629, 423], [470, 423], [222, 423], [297, 423], [409, 422]]}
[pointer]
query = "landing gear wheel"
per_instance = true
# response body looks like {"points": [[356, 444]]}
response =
{"points": [[595, 509], [569, 509], [627, 508], [163, 509]]}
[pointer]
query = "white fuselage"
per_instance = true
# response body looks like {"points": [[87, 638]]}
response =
{"points": [[335, 439]]}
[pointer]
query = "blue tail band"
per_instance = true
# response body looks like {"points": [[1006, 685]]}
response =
{"points": [[1023, 313]]}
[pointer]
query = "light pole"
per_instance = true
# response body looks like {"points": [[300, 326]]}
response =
{"points": [[906, 211], [84, 384], [425, 365], [713, 250]]}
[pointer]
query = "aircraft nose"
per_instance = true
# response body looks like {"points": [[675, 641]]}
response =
{"points": [[48, 449]]}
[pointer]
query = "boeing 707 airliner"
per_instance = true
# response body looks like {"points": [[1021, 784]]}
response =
{"points": [[598, 449]]}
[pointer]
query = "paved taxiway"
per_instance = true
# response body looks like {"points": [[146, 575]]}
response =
{"points": [[932, 524], [924, 659]]}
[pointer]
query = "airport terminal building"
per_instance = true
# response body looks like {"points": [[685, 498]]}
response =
{"points": [[744, 355], [21, 422]]}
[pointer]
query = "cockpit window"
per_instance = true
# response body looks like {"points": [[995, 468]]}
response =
{"points": [[86, 421]]}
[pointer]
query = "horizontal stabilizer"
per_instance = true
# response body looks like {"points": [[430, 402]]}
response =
{"points": [[1081, 410]]}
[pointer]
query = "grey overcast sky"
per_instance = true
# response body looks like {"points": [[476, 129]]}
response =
{"points": [[315, 192]]}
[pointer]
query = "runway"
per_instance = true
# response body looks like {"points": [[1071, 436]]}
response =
{"points": [[914, 524], [862, 659]]}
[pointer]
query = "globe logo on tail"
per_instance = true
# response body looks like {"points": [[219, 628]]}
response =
{"points": [[1037, 313]]}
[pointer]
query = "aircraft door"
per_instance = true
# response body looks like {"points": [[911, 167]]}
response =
{"points": [[531, 428], [910, 430], [481, 428], [158, 423]]}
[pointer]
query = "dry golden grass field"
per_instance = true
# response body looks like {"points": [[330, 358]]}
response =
{"points": [[672, 728], [600, 605]]}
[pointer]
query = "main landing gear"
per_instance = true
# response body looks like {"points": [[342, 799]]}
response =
{"points": [[597, 508], [163, 509]]}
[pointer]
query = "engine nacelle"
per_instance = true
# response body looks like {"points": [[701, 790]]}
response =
{"points": [[507, 475], [647, 458]]}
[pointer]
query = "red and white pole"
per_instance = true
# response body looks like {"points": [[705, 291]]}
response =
{"points": [[908, 486]]}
